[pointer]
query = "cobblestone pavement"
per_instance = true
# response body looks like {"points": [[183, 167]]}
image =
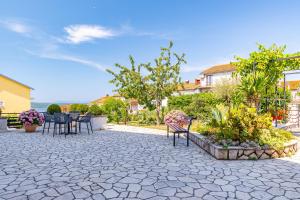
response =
{"points": [[134, 163]]}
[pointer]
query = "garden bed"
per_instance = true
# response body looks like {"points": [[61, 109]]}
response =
{"points": [[241, 153]]}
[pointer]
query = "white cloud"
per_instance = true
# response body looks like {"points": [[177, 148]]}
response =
{"points": [[71, 58], [16, 26], [84, 33]]}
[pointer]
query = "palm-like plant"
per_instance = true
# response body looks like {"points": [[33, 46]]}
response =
{"points": [[253, 87], [219, 116]]}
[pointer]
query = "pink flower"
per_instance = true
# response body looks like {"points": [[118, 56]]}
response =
{"points": [[31, 117]]}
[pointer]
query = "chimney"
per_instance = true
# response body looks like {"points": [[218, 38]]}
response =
{"points": [[197, 81], [187, 81]]}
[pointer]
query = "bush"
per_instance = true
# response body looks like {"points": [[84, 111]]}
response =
{"points": [[115, 109], [227, 90], [197, 105], [243, 124], [179, 102], [82, 108], [201, 106], [275, 138], [53, 108], [96, 110]]}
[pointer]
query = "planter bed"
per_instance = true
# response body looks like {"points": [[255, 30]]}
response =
{"points": [[3, 125], [99, 122], [241, 153]]}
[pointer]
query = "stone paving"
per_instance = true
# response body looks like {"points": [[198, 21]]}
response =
{"points": [[134, 163]]}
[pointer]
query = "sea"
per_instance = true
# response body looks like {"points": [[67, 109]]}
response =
{"points": [[42, 107]]}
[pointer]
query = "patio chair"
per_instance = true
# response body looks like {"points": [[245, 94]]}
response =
{"points": [[87, 119], [74, 117], [176, 129], [62, 120], [48, 119]]}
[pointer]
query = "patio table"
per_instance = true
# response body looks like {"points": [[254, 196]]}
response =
{"points": [[69, 126]]}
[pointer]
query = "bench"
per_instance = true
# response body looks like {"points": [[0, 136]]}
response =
{"points": [[177, 129]]}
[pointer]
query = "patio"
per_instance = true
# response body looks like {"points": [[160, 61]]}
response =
{"points": [[134, 163]]}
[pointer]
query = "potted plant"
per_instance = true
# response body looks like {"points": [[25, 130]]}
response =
{"points": [[99, 121], [31, 119], [3, 122]]}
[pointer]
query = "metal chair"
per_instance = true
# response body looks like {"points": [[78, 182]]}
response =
{"points": [[87, 119], [60, 119], [74, 117], [48, 119]]}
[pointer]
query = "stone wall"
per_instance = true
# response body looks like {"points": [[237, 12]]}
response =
{"points": [[240, 153]]}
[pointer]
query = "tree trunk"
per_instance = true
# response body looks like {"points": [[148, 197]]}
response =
{"points": [[158, 106]]}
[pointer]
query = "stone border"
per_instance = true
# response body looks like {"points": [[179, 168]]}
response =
{"points": [[240, 153]]}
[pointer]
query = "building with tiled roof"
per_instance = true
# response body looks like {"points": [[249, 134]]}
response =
{"points": [[188, 87], [219, 69], [211, 75], [292, 85]]}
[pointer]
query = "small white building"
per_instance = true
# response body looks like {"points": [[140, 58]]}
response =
{"points": [[212, 75]]}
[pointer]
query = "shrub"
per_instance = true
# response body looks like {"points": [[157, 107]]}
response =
{"points": [[197, 105], [275, 138], [96, 110], [244, 124], [147, 117], [53, 108], [115, 109], [227, 90], [82, 108], [180, 102]]}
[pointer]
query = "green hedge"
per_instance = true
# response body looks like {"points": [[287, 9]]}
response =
{"points": [[82, 108], [197, 105], [53, 108]]}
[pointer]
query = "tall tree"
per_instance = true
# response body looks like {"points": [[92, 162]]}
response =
{"points": [[150, 83]]}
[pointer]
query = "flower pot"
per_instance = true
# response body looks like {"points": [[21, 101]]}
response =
{"points": [[3, 124], [31, 128], [99, 122]]}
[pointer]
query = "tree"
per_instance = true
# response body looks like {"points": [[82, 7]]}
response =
{"points": [[150, 83], [227, 90], [116, 109], [261, 72]]}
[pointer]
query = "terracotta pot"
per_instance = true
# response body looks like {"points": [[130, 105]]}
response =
{"points": [[30, 129]]}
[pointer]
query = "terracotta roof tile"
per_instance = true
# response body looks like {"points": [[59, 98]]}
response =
{"points": [[188, 86], [219, 69], [292, 85]]}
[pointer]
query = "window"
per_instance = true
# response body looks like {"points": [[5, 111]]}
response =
{"points": [[209, 80]]}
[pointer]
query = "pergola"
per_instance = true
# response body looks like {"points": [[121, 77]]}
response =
{"points": [[285, 73]]}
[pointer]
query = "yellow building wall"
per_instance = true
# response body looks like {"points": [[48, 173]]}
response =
{"points": [[16, 97]]}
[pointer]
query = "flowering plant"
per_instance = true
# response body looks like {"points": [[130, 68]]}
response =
{"points": [[31, 117], [176, 117]]}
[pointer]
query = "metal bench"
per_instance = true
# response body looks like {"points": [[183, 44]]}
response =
{"points": [[177, 129]]}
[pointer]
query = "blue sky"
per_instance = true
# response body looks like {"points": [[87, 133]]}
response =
{"points": [[62, 48]]}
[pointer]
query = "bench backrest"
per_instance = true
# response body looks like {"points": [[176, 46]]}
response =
{"points": [[176, 127], [190, 123]]}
